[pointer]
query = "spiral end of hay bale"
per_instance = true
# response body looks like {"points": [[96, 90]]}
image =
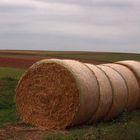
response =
{"points": [[47, 95]]}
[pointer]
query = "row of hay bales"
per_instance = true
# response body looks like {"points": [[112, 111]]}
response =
{"points": [[55, 94]]}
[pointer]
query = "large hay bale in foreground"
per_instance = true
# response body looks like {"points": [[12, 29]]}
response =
{"points": [[132, 85], [134, 66], [54, 94], [119, 91], [105, 101]]}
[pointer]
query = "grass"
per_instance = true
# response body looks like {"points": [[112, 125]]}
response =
{"points": [[125, 127], [103, 57], [7, 102], [110, 57], [12, 73], [8, 81], [72, 135]]}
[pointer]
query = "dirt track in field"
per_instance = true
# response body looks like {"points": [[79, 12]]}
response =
{"points": [[17, 132], [21, 132]]}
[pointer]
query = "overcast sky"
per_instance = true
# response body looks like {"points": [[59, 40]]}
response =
{"points": [[91, 25]]}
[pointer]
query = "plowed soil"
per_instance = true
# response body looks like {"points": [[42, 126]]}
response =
{"points": [[24, 59]]}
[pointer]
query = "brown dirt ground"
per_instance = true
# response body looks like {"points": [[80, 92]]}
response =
{"points": [[19, 132], [21, 62], [24, 59], [18, 62]]}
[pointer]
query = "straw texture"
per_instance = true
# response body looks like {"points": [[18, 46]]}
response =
{"points": [[54, 94], [89, 88], [134, 66], [119, 91], [105, 101], [132, 85]]}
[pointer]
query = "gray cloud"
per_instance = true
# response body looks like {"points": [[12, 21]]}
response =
{"points": [[111, 25], [99, 3], [11, 8]]}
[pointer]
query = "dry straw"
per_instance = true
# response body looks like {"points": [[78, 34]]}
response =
{"points": [[89, 90], [134, 66], [119, 91], [105, 101], [132, 85], [54, 94]]}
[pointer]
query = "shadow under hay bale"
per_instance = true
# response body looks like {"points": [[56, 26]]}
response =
{"points": [[119, 92], [132, 85], [134, 66], [105, 101], [54, 94]]}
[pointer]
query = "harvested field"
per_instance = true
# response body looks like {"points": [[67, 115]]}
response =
{"points": [[16, 63], [9, 58], [117, 128], [25, 63]]}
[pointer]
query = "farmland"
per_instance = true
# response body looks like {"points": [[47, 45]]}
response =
{"points": [[24, 59], [14, 63]]}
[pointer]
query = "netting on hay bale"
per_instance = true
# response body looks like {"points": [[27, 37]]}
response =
{"points": [[132, 85], [134, 66], [119, 92], [105, 101], [54, 94]]}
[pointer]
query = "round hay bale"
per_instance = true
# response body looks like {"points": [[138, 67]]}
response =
{"points": [[134, 66], [105, 101], [119, 92], [54, 94], [132, 85]]}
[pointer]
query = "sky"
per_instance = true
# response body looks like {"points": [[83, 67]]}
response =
{"points": [[73, 25]]}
